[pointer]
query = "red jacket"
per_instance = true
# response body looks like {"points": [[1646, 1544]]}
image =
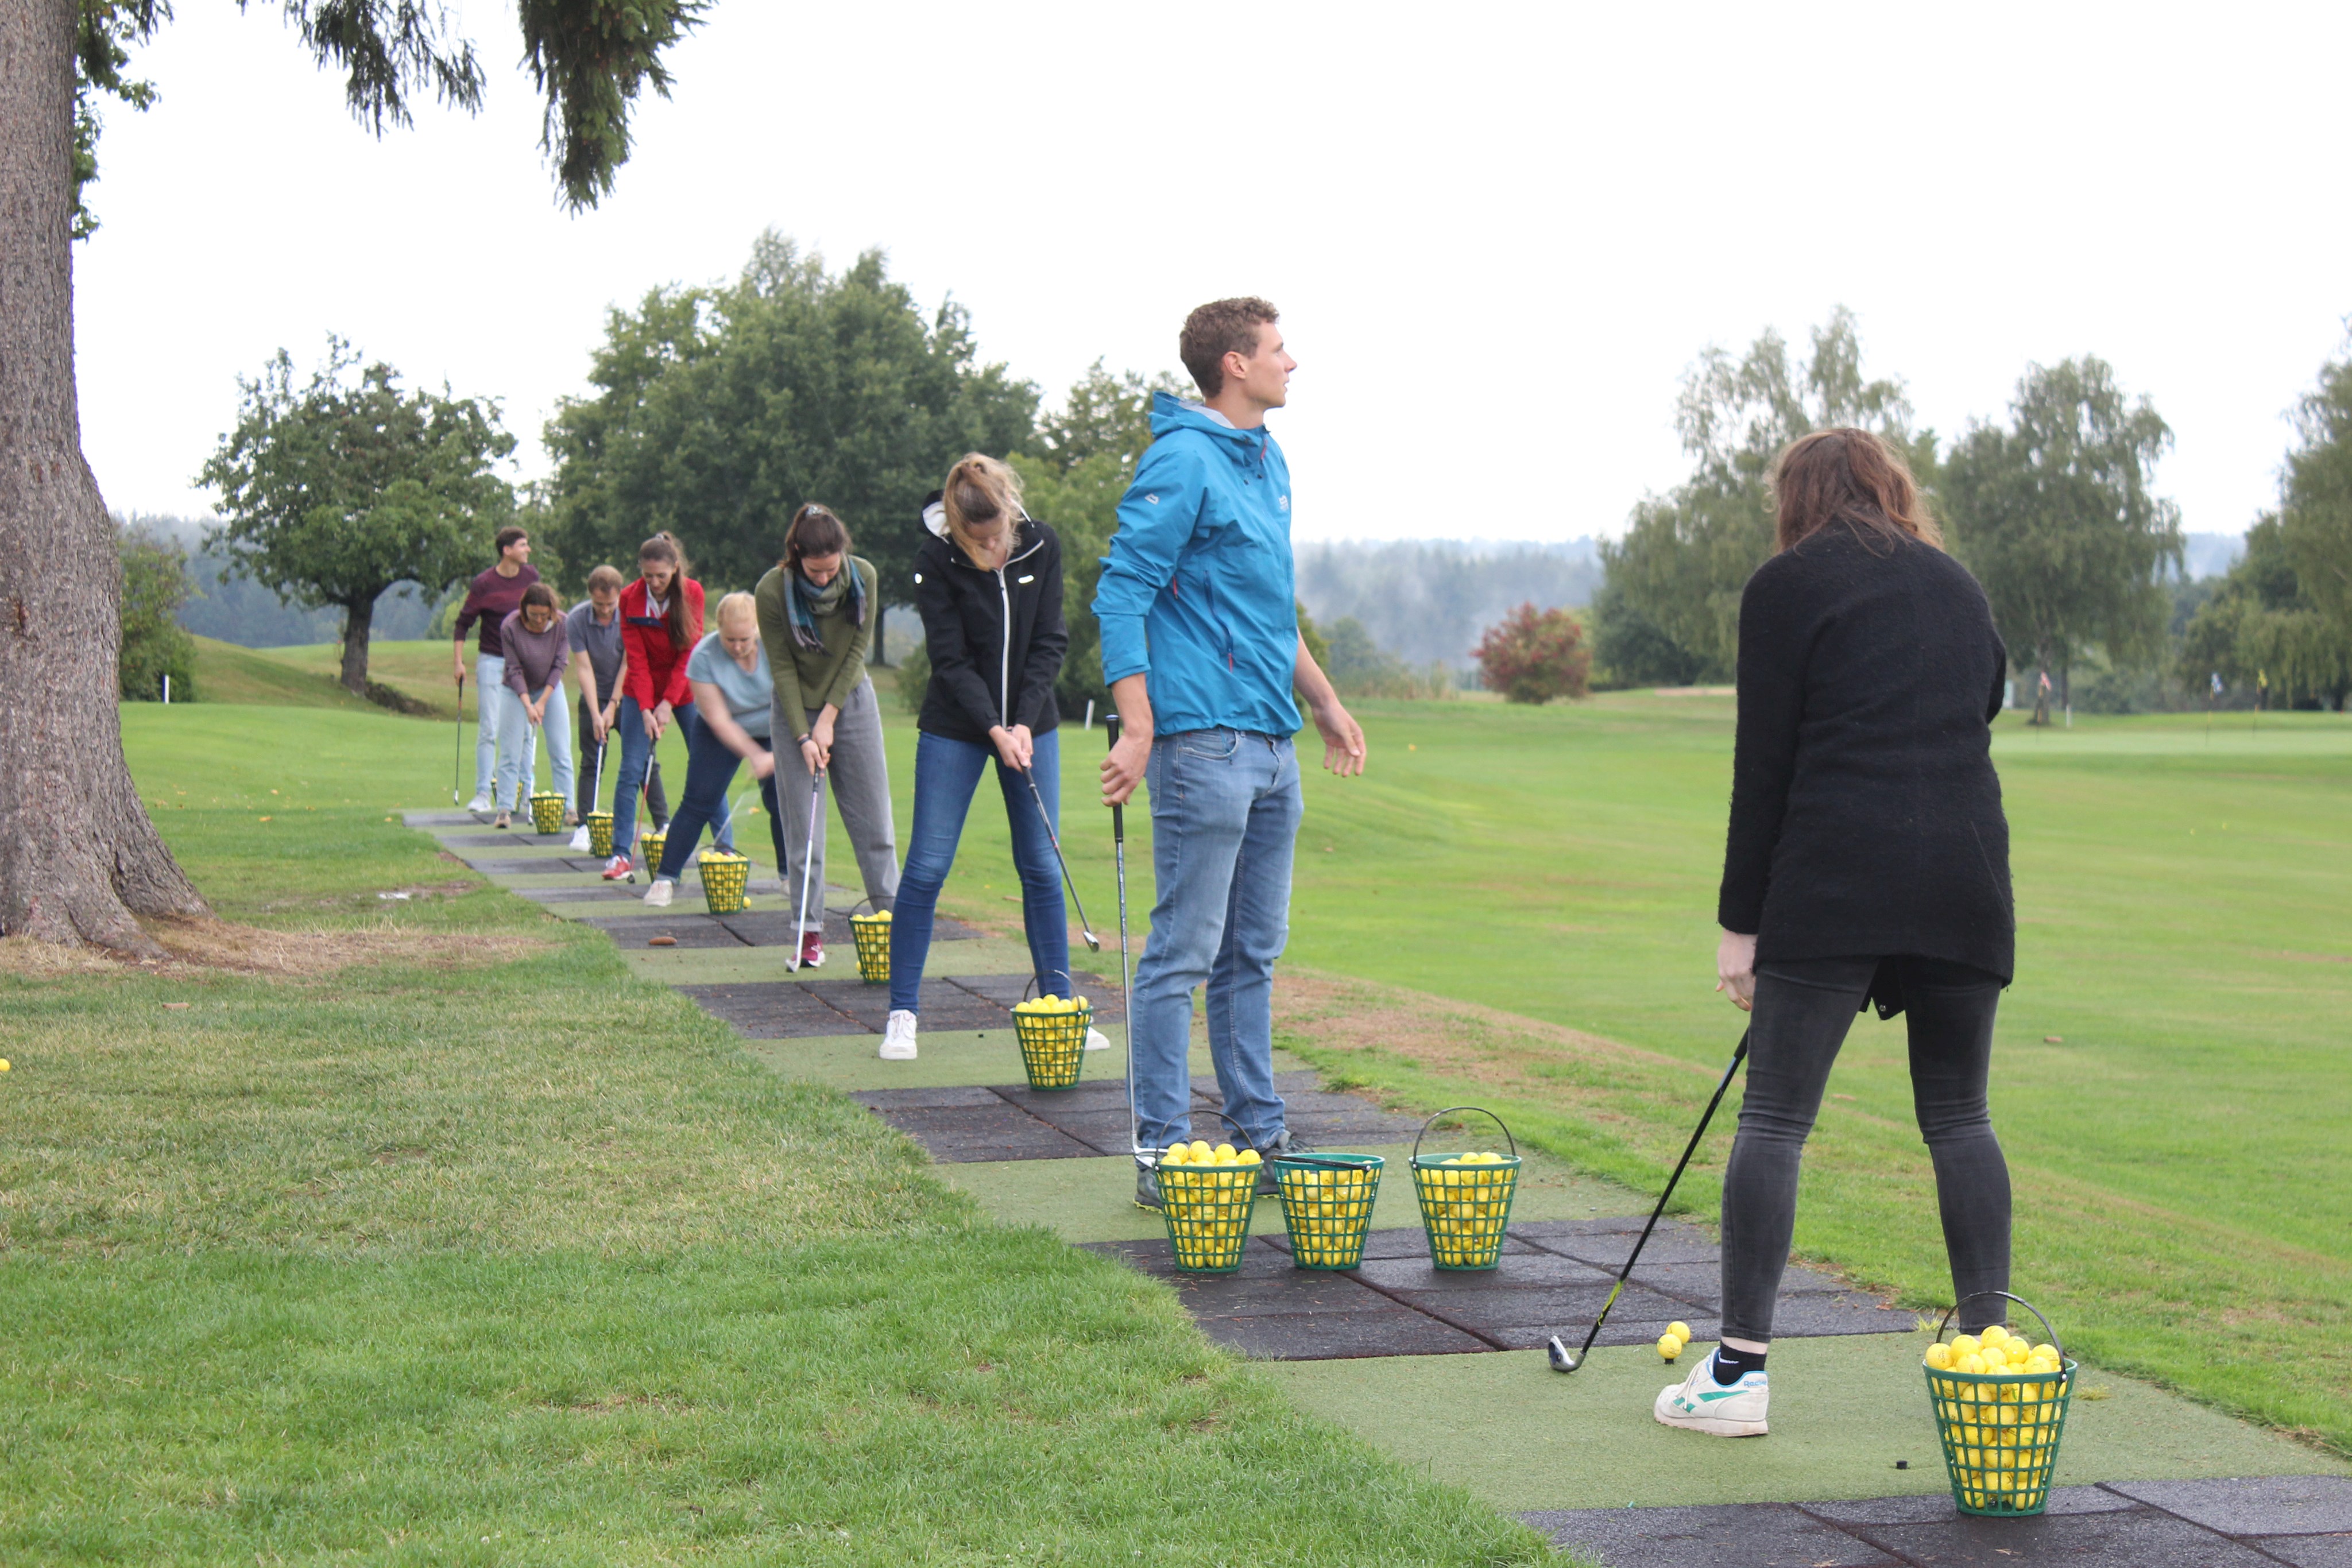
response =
{"points": [[657, 672]]}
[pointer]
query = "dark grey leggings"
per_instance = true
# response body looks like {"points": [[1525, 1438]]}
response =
{"points": [[1802, 1014]]}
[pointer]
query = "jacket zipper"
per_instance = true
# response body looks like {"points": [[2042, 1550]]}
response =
{"points": [[1005, 653]]}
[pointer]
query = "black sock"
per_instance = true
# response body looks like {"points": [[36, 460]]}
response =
{"points": [[1731, 1366]]}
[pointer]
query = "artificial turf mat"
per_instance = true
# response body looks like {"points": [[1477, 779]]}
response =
{"points": [[1092, 1200], [1524, 1437], [717, 966]]}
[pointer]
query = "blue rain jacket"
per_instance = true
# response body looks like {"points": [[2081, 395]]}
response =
{"points": [[1198, 593]]}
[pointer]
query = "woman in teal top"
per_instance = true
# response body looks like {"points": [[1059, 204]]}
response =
{"points": [[817, 620], [734, 695]]}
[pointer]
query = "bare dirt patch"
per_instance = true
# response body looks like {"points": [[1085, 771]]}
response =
{"points": [[194, 947]]}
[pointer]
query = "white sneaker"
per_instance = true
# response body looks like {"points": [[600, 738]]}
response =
{"points": [[579, 846], [898, 1037], [657, 895], [1700, 1404], [481, 803], [1098, 1040]]}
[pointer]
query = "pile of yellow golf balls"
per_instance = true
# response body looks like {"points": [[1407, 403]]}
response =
{"points": [[1463, 1200], [2000, 1432], [1038, 1005], [1198, 1153], [1671, 1342], [1328, 1211], [877, 914]]}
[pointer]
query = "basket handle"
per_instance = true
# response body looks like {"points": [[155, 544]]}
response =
{"points": [[1448, 1111], [1068, 978], [2056, 1344]]}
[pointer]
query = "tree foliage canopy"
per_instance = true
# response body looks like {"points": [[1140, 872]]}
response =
{"points": [[2284, 612], [335, 490], [2054, 516], [154, 585], [1670, 609], [720, 410], [591, 60], [1534, 655]]}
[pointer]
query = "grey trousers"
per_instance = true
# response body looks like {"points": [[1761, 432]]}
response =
{"points": [[859, 782]]}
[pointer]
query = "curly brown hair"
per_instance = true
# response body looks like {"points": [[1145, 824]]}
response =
{"points": [[1851, 477], [1220, 327]]}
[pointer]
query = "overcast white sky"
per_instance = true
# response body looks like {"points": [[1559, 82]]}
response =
{"points": [[1498, 234]]}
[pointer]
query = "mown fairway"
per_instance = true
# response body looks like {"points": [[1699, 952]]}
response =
{"points": [[476, 1248]]}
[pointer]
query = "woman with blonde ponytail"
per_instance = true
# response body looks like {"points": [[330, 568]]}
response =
{"points": [[988, 582]]}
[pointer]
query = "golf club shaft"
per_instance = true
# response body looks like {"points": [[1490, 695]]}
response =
{"points": [[1085, 924], [1738, 1056], [808, 865], [1126, 982]]}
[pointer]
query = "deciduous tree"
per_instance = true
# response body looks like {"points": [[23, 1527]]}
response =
{"points": [[1678, 573], [78, 858], [720, 410], [337, 490], [154, 646], [2055, 516], [1534, 655]]}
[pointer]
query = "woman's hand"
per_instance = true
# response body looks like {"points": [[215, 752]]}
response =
{"points": [[537, 710], [820, 735], [659, 720], [1015, 746], [1735, 968], [763, 764], [597, 723], [810, 758]]}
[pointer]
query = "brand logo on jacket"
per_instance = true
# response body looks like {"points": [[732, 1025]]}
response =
{"points": [[1282, 503]]}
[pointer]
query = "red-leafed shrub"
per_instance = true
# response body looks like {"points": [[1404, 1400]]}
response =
{"points": [[1534, 655]]}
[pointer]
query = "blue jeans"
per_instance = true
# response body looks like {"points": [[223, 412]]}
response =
{"points": [[1225, 807], [518, 759], [710, 767], [637, 752], [947, 773], [491, 692]]}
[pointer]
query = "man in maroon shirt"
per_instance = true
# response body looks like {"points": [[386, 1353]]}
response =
{"points": [[491, 597]]}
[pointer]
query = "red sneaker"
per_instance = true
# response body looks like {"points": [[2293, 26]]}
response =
{"points": [[811, 950], [616, 868]]}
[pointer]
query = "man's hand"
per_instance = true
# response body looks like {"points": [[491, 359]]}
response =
{"points": [[1122, 769], [1343, 738], [1015, 744], [457, 662], [597, 723], [1735, 968]]}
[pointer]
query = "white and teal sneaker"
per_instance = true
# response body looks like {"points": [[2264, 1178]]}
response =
{"points": [[1703, 1405]]}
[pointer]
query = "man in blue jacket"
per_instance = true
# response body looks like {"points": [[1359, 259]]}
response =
{"points": [[1201, 647]]}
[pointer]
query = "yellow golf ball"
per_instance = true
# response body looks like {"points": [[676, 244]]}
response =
{"points": [[4, 1064], [1669, 1346]]}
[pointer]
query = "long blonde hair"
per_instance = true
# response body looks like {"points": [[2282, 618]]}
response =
{"points": [[980, 490]]}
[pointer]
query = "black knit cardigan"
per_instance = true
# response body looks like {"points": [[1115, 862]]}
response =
{"points": [[1866, 814]]}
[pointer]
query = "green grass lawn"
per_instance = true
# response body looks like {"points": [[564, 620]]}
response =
{"points": [[428, 1260]]}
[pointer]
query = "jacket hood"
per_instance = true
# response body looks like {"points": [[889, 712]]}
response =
{"points": [[935, 519], [1171, 414]]}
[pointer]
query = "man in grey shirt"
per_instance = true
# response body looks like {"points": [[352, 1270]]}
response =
{"points": [[593, 631]]}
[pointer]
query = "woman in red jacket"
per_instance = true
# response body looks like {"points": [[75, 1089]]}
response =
{"points": [[661, 621]]}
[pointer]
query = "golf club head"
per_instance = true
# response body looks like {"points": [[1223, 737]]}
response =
{"points": [[1562, 1358], [1094, 943]]}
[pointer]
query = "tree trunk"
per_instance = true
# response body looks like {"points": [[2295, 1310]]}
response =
{"points": [[359, 616], [78, 856]]}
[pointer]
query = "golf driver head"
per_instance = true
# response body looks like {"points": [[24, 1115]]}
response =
{"points": [[1562, 1358]]}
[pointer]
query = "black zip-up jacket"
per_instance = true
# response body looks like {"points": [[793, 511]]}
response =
{"points": [[995, 638]]}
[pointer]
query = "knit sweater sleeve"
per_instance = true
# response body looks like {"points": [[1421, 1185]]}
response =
{"points": [[850, 668], [776, 639], [1775, 640]]}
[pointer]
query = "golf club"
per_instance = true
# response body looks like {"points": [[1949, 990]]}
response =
{"points": [[1561, 1361], [1126, 983], [458, 763], [1086, 927], [808, 868]]}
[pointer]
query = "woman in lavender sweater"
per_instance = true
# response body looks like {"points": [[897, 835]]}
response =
{"points": [[536, 648]]}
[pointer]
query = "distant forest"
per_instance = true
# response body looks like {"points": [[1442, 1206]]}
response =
{"points": [[235, 611], [1430, 603]]}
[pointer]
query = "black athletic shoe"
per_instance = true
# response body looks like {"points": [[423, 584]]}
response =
{"points": [[1282, 1142], [1147, 1188]]}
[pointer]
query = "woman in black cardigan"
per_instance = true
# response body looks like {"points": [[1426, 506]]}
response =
{"points": [[989, 584], [1867, 861]]}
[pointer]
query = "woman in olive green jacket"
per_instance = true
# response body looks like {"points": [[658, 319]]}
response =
{"points": [[817, 611]]}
